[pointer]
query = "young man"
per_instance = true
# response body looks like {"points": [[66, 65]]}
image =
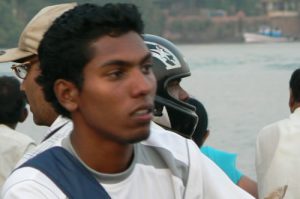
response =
{"points": [[13, 144], [96, 70], [27, 68], [277, 151], [170, 67]]}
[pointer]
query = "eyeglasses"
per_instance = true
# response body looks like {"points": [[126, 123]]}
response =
{"points": [[21, 69]]}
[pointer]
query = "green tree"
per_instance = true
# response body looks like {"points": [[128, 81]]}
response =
{"points": [[9, 24], [231, 6], [15, 14]]}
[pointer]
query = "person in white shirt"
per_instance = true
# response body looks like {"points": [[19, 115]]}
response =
{"points": [[96, 70], [26, 67], [13, 144], [277, 147]]}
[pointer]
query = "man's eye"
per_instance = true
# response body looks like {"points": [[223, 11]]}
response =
{"points": [[146, 68], [116, 74]]}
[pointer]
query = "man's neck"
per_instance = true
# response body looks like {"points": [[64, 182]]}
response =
{"points": [[295, 106], [102, 155], [12, 126]]}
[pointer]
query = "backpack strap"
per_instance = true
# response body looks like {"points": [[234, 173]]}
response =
{"points": [[68, 174]]}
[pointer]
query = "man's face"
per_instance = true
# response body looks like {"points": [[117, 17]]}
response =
{"points": [[117, 96], [43, 113], [175, 90]]}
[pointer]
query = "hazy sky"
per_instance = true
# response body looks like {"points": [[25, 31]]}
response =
{"points": [[5, 68]]}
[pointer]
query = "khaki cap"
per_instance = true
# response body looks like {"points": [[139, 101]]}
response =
{"points": [[34, 31]]}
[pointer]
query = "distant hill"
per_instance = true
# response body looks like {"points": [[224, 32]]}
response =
{"points": [[178, 20]]}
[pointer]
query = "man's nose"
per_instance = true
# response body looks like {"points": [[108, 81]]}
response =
{"points": [[183, 94], [143, 83]]}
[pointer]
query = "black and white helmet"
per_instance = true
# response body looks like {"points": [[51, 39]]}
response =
{"points": [[168, 65]]}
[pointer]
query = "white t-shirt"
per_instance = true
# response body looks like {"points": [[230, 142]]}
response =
{"points": [[13, 145], [277, 158], [165, 166]]}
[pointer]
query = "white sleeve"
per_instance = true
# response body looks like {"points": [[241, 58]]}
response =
{"points": [[266, 144], [29, 183], [207, 180]]}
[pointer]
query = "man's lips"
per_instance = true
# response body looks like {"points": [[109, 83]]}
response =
{"points": [[143, 112]]}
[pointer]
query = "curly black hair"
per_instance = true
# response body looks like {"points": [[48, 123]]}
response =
{"points": [[65, 48], [12, 100], [295, 84]]}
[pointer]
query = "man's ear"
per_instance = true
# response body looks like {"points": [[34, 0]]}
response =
{"points": [[23, 115], [291, 102], [206, 135], [67, 94]]}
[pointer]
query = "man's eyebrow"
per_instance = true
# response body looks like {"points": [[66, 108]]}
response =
{"points": [[178, 80], [31, 59], [146, 58]]}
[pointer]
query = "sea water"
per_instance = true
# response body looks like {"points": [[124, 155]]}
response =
{"points": [[243, 87]]}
